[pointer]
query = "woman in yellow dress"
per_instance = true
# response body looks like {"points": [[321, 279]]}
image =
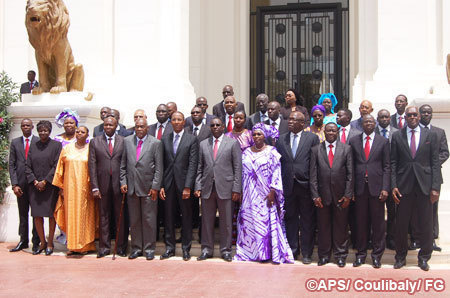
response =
{"points": [[78, 215]]}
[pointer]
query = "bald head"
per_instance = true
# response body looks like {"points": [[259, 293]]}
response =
{"points": [[365, 108]]}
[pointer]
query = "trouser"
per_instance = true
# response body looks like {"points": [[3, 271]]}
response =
{"points": [[369, 217], [390, 222], [209, 207], [332, 221], [143, 213], [23, 204]]}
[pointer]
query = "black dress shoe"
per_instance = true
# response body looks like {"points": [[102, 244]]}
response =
{"points": [[39, 250], [322, 261], [399, 264], [341, 263], [358, 262], [48, 251], [149, 256], [121, 254], [35, 247], [134, 255], [414, 245], [227, 257], [21, 245], [167, 254], [435, 247], [204, 256], [306, 260], [376, 264], [390, 244], [424, 265], [102, 254], [186, 255]]}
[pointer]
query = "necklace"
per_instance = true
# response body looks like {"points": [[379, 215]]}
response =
{"points": [[260, 149]]}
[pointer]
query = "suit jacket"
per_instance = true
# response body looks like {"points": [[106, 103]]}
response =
{"points": [[331, 184], [25, 87], [189, 122], [204, 133], [98, 130], [352, 132], [283, 127], [425, 166], [443, 146], [295, 168], [145, 173], [391, 132], [357, 124], [252, 120], [394, 121], [180, 168], [102, 165], [17, 161], [225, 171], [285, 112], [219, 111], [167, 130], [377, 167]]}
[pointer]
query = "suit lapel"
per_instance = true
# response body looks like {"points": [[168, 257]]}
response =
{"points": [[210, 148], [22, 147], [105, 144], [300, 144], [117, 144], [287, 143], [375, 144], [338, 152], [221, 146], [181, 143], [404, 139], [324, 153], [423, 136]]}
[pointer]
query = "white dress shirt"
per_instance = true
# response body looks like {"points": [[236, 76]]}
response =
{"points": [[299, 135], [403, 119], [423, 126], [25, 141], [113, 139], [416, 136], [388, 130], [328, 147], [227, 119], [218, 144], [198, 126], [163, 127], [263, 116], [371, 136], [277, 123], [347, 131]]}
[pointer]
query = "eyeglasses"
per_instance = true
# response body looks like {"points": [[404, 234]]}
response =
{"points": [[201, 104], [216, 125], [412, 114]]}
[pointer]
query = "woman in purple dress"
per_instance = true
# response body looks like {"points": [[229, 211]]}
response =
{"points": [[261, 236]]}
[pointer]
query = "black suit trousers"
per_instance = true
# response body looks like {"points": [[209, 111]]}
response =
{"points": [[109, 213], [415, 201], [390, 222], [332, 222], [174, 199], [299, 203], [23, 204], [369, 217]]}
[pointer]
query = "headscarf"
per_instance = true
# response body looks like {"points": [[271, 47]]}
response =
{"points": [[268, 130], [66, 113], [333, 99], [318, 107]]}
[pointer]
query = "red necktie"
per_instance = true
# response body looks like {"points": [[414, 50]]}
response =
{"points": [[343, 139], [27, 148], [230, 124], [413, 144], [400, 123], [31, 85], [367, 147], [330, 155], [216, 147], [159, 132], [110, 146]]}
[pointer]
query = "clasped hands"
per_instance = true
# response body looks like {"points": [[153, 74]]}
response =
{"points": [[40, 185], [344, 201]]}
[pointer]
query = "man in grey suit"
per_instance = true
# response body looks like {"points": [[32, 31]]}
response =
{"points": [[218, 183], [385, 129], [219, 109], [262, 101], [105, 156], [180, 170], [141, 174], [17, 158]]}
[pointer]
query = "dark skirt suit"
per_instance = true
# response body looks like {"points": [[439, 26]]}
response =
{"points": [[41, 165]]}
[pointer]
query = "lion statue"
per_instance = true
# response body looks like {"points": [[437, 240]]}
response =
{"points": [[47, 23]]}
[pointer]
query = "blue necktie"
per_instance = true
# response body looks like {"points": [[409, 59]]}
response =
{"points": [[294, 145], [384, 131], [175, 143]]}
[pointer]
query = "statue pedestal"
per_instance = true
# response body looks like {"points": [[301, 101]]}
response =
{"points": [[46, 106]]}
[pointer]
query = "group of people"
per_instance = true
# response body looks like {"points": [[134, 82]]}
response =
{"points": [[279, 179]]}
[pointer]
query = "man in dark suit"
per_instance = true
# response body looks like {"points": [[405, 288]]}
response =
{"points": [[219, 109], [262, 101], [180, 169], [372, 172], [398, 119], [138, 114], [105, 155], [202, 131], [17, 157], [273, 110], [105, 111], [365, 108], [426, 114], [415, 182], [163, 126], [295, 149], [141, 174], [346, 131], [202, 103], [218, 183], [171, 108], [331, 183], [386, 130], [27, 87]]}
